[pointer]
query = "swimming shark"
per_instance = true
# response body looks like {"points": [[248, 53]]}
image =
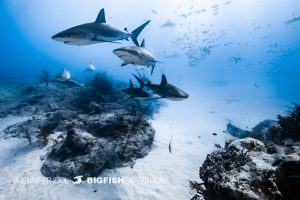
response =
{"points": [[97, 32], [91, 67], [164, 89], [136, 55], [168, 24], [134, 92], [63, 77], [294, 19]]}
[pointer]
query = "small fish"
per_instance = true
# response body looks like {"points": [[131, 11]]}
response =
{"points": [[154, 11], [170, 144], [168, 24]]}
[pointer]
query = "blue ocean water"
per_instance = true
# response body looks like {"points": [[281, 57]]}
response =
{"points": [[237, 59], [216, 42]]}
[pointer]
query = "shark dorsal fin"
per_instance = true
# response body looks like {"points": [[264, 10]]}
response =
{"points": [[130, 84], [101, 17], [143, 43], [163, 80]]}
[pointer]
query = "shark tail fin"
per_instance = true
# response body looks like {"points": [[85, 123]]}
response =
{"points": [[101, 17], [152, 69], [141, 82], [130, 83], [137, 31]]}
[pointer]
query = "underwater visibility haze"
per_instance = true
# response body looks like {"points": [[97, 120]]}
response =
{"points": [[149, 91]]}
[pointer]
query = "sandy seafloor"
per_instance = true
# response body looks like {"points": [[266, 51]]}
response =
{"points": [[191, 123]]}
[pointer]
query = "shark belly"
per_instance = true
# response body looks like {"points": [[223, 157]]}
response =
{"points": [[129, 58], [175, 98], [81, 42]]}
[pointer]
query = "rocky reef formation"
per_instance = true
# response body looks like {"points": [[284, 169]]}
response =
{"points": [[88, 155], [83, 129], [264, 164]]}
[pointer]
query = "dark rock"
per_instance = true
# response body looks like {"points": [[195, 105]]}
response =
{"points": [[277, 162], [87, 155], [28, 90], [288, 179], [242, 170], [95, 108]]}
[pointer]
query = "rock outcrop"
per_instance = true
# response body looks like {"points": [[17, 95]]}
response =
{"points": [[265, 164], [87, 155], [244, 169]]}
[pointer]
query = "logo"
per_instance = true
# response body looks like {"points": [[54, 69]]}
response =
{"points": [[78, 180]]}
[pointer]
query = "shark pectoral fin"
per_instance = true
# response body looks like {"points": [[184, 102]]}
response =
{"points": [[113, 42], [101, 17], [125, 63]]}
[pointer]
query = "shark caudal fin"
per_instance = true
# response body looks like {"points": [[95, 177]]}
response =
{"points": [[101, 17], [152, 69], [136, 32], [141, 82]]}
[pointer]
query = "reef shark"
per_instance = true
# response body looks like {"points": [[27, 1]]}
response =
{"points": [[63, 77], [136, 55], [164, 89], [134, 92], [97, 32]]}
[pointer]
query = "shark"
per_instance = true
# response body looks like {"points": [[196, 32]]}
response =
{"points": [[168, 24], [164, 89], [294, 19], [136, 55], [97, 32], [91, 68], [135, 92], [63, 77]]}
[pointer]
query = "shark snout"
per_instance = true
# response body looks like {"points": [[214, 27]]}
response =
{"points": [[57, 37], [119, 51], [62, 36], [182, 95]]}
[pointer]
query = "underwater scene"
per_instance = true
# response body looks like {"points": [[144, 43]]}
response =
{"points": [[139, 99]]}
